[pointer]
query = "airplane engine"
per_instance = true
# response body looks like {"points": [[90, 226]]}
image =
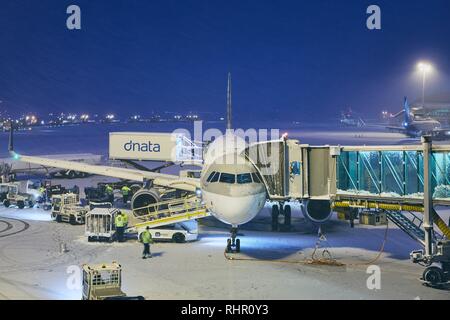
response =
{"points": [[143, 198], [317, 211]]}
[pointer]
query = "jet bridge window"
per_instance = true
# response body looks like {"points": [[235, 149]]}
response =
{"points": [[244, 178], [256, 178], [227, 178]]}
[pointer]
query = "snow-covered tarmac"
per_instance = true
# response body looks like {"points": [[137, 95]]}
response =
{"points": [[33, 267]]}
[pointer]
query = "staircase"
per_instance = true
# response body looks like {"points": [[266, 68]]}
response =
{"points": [[411, 227]]}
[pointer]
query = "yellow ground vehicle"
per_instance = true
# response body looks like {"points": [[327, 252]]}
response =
{"points": [[103, 282], [14, 193], [66, 208]]}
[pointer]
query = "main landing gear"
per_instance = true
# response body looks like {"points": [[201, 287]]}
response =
{"points": [[284, 210], [233, 244]]}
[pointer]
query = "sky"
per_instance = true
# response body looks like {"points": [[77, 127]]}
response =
{"points": [[288, 59]]}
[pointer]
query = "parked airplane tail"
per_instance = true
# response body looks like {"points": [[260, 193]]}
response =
{"points": [[407, 112]]}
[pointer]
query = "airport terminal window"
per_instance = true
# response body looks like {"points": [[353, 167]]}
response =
{"points": [[244, 178], [255, 177], [216, 177], [227, 178], [210, 176]]}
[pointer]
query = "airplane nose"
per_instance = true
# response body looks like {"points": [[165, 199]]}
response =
{"points": [[235, 210]]}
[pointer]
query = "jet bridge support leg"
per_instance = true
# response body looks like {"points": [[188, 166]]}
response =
{"points": [[436, 256], [427, 200]]}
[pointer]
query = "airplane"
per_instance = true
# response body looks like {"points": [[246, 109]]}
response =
{"points": [[232, 191], [349, 119], [417, 127]]}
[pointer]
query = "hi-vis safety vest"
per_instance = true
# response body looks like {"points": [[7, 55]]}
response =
{"points": [[125, 190], [119, 221], [146, 237]]}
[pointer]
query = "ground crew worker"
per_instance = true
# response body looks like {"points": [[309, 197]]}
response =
{"points": [[146, 238], [43, 192], [110, 193], [124, 219], [120, 226], [125, 193]]}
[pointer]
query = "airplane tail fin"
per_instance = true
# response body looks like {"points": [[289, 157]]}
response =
{"points": [[407, 112]]}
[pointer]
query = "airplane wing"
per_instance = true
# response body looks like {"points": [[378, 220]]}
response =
{"points": [[441, 134], [160, 179], [396, 129]]}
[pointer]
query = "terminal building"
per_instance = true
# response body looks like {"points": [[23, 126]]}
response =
{"points": [[436, 107]]}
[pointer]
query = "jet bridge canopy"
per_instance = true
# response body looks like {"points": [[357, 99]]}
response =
{"points": [[392, 172]]}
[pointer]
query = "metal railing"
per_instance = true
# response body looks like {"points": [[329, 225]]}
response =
{"points": [[169, 208]]}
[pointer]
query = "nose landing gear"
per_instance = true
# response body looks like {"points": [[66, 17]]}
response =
{"points": [[233, 244]]}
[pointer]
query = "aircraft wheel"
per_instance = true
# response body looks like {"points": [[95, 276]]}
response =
{"points": [[275, 213], [238, 245], [228, 245], [287, 215]]}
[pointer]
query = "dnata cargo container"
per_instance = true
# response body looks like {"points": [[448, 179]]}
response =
{"points": [[155, 146]]}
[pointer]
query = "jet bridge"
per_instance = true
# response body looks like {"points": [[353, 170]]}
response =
{"points": [[294, 171], [404, 181]]}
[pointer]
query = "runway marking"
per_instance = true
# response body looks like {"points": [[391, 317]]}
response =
{"points": [[8, 226], [25, 226]]}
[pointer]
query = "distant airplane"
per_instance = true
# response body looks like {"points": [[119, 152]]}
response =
{"points": [[417, 127], [348, 119]]}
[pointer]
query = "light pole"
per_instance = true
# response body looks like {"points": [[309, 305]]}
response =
{"points": [[424, 68]]}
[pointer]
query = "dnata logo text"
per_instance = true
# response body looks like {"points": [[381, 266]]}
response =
{"points": [[142, 146]]}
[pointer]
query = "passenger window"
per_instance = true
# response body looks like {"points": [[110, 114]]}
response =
{"points": [[255, 177], [210, 176], [216, 177], [227, 178], [244, 178]]}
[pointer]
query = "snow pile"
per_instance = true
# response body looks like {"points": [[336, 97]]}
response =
{"points": [[442, 191]]}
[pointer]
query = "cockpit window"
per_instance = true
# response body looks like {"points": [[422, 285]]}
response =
{"points": [[227, 178], [255, 177], [244, 178], [210, 176], [215, 178]]}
